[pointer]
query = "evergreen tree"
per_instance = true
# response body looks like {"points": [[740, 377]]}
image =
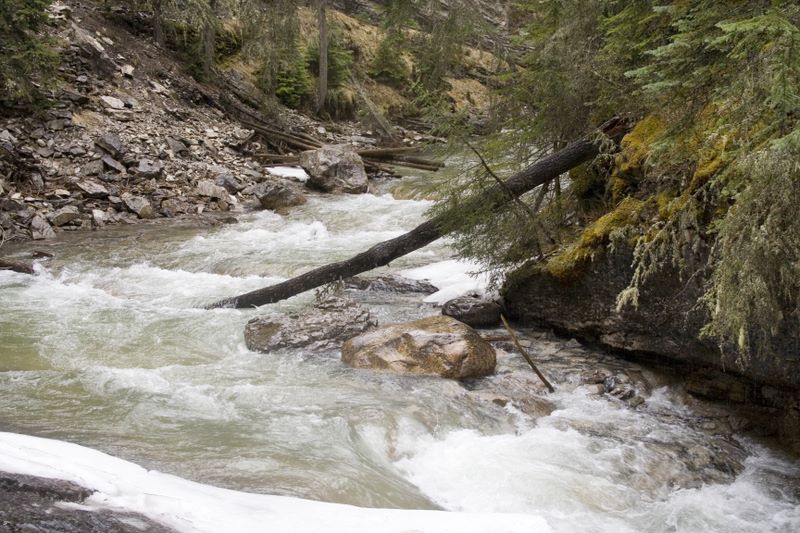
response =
{"points": [[26, 61]]}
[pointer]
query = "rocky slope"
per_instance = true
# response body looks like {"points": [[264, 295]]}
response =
{"points": [[131, 137]]}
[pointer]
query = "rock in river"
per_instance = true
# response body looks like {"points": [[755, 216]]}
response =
{"points": [[273, 195], [335, 168], [325, 326], [439, 346], [472, 310]]}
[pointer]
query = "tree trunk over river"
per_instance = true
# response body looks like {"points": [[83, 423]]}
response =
{"points": [[381, 254]]}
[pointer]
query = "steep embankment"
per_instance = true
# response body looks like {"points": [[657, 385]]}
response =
{"points": [[601, 285]]}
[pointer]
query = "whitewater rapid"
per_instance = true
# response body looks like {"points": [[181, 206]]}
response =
{"points": [[108, 348]]}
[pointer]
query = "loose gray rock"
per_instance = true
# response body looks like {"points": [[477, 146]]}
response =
{"points": [[335, 168], [41, 229], [207, 188], [149, 169], [231, 184], [138, 205], [474, 311], [93, 189], [437, 346], [99, 217], [323, 327], [176, 146], [64, 215], [113, 164], [111, 144], [112, 102], [92, 168], [275, 195]]}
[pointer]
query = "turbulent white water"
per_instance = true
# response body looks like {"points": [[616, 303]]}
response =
{"points": [[108, 348]]}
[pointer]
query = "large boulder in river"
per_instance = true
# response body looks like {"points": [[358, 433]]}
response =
{"points": [[335, 168], [325, 326], [473, 310], [437, 346]]}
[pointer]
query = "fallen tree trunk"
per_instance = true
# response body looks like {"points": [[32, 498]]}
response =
{"points": [[381, 254]]}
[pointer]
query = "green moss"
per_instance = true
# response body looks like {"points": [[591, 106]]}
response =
{"points": [[636, 146], [569, 262]]}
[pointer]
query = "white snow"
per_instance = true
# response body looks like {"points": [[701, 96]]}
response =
{"points": [[454, 278], [295, 173], [194, 507]]}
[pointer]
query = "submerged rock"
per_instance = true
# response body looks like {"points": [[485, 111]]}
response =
{"points": [[324, 326], [473, 310], [437, 346], [335, 168]]}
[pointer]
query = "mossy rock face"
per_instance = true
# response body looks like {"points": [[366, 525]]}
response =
{"points": [[435, 346], [570, 262]]}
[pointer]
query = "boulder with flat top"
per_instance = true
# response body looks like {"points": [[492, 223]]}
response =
{"points": [[435, 346]]}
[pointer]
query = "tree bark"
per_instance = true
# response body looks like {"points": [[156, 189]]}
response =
{"points": [[543, 171], [209, 39], [158, 22], [322, 96]]}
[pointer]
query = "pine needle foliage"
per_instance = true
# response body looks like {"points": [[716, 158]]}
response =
{"points": [[27, 62], [713, 164]]}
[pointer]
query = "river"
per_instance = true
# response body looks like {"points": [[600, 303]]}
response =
{"points": [[108, 347]]}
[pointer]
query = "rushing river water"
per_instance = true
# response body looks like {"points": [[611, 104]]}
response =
{"points": [[107, 347]]}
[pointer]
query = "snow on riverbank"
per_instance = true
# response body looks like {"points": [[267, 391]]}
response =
{"points": [[193, 507]]}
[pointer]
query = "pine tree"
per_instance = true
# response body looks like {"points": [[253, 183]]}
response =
{"points": [[26, 61]]}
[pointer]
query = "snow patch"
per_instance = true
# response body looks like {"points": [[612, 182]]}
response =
{"points": [[188, 506]]}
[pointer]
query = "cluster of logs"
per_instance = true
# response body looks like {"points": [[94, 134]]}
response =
{"points": [[374, 158]]}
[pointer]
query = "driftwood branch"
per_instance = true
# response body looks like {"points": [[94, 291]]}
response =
{"points": [[525, 354], [544, 170]]}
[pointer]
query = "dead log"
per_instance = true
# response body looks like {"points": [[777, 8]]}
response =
{"points": [[407, 164], [381, 254], [388, 153], [525, 355]]}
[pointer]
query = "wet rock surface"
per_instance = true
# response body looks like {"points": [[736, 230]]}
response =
{"points": [[473, 310], [437, 346], [323, 327], [34, 504], [391, 283], [277, 195]]}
